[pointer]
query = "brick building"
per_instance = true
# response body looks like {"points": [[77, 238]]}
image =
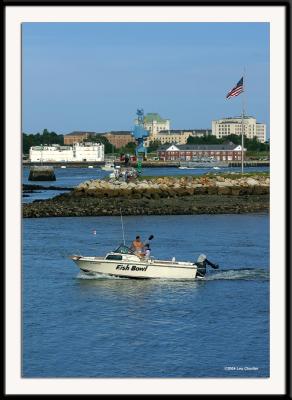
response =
{"points": [[194, 152], [77, 137], [119, 138]]}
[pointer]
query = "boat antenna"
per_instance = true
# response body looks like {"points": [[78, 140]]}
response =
{"points": [[122, 227]]}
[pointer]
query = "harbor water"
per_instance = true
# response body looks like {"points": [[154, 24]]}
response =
{"points": [[79, 326]]}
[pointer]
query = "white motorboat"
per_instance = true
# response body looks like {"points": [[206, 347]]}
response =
{"points": [[187, 167], [201, 163], [123, 262], [108, 166]]}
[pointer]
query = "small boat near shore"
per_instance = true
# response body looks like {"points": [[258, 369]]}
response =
{"points": [[124, 263], [202, 163], [108, 166]]}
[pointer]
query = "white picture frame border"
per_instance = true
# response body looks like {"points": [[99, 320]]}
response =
{"points": [[14, 17]]}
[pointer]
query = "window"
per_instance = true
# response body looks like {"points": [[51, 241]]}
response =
{"points": [[114, 257], [123, 249]]}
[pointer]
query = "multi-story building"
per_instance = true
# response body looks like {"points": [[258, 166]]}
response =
{"points": [[119, 138], [77, 137], [178, 136], [153, 123], [261, 132], [233, 126], [190, 152], [78, 152]]}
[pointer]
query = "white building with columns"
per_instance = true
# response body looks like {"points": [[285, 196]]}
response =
{"points": [[80, 152], [154, 123], [179, 136], [233, 126]]}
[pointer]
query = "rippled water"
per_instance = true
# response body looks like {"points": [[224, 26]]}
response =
{"points": [[80, 326]]}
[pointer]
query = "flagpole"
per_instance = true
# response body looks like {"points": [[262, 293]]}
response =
{"points": [[235, 91], [242, 125], [242, 141]]}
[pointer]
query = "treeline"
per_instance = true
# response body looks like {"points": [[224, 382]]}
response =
{"points": [[249, 144], [38, 139], [108, 147], [50, 138], [129, 148]]}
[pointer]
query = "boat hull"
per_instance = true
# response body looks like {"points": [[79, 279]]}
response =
{"points": [[149, 269], [108, 168]]}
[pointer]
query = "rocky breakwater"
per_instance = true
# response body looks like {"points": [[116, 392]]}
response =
{"points": [[207, 194]]}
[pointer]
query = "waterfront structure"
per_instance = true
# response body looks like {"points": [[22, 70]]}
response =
{"points": [[140, 134], [77, 137], [233, 126], [261, 132], [81, 152], [191, 152], [179, 136], [119, 138], [154, 123]]}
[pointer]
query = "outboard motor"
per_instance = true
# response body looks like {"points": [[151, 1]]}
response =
{"points": [[201, 264]]}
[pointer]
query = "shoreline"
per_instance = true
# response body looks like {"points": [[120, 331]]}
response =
{"points": [[146, 164], [204, 204], [216, 194]]}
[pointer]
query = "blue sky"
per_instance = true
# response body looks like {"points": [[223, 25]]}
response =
{"points": [[93, 76]]}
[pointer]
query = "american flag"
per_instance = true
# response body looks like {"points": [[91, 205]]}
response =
{"points": [[236, 90]]}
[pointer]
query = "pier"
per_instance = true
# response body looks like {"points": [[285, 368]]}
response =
{"points": [[146, 164], [41, 173]]}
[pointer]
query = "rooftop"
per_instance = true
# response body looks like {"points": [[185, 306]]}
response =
{"points": [[150, 117], [80, 133], [237, 117], [182, 131], [224, 146], [118, 133]]}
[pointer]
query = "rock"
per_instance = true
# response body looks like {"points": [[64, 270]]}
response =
{"points": [[251, 181], [212, 190], [260, 190], [200, 189], [222, 184], [235, 191], [224, 190]]}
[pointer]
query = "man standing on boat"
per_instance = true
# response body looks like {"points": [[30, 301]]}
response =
{"points": [[147, 251], [137, 246], [202, 263]]}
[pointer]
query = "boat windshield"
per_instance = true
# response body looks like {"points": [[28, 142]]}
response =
{"points": [[123, 250]]}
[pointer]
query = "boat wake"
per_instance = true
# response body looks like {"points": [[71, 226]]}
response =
{"points": [[248, 274], [97, 276]]}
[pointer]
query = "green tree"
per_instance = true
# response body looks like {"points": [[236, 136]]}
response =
{"points": [[129, 148], [153, 146], [207, 139], [250, 144], [29, 140]]}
